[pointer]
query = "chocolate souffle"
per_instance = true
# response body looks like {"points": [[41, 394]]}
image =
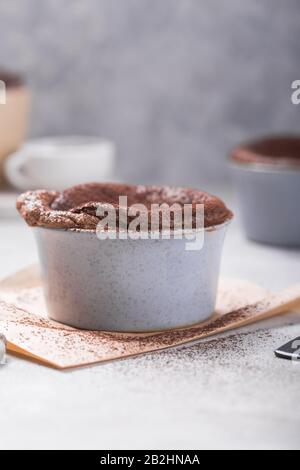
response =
{"points": [[281, 150], [75, 208], [11, 79]]}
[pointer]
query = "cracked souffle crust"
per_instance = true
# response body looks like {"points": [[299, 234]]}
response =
{"points": [[280, 150], [76, 207]]}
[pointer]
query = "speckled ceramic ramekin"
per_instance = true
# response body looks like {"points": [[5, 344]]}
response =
{"points": [[269, 198], [128, 285]]}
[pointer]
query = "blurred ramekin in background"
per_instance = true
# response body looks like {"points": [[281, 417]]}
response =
{"points": [[13, 115], [266, 174]]}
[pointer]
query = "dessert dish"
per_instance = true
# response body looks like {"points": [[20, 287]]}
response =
{"points": [[142, 284], [13, 115], [266, 173]]}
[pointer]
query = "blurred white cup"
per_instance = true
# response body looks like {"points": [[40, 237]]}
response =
{"points": [[60, 162]]}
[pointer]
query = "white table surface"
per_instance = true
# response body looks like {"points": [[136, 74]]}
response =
{"points": [[232, 394]]}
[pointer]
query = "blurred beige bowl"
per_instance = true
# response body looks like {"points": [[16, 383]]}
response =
{"points": [[13, 122]]}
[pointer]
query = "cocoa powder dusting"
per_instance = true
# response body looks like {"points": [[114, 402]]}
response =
{"points": [[77, 207], [280, 150]]}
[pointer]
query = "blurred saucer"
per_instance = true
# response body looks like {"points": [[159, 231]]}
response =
{"points": [[60, 162]]}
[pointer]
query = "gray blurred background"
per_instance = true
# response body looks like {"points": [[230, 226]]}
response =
{"points": [[175, 83]]}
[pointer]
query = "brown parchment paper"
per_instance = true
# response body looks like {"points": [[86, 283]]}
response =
{"points": [[24, 322]]}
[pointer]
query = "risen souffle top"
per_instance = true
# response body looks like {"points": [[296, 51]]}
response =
{"points": [[75, 208], [11, 79], [280, 150]]}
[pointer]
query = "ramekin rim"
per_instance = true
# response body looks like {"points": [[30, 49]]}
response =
{"points": [[265, 167], [211, 228]]}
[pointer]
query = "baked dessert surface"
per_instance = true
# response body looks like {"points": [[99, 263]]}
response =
{"points": [[76, 207], [11, 79], [280, 150]]}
